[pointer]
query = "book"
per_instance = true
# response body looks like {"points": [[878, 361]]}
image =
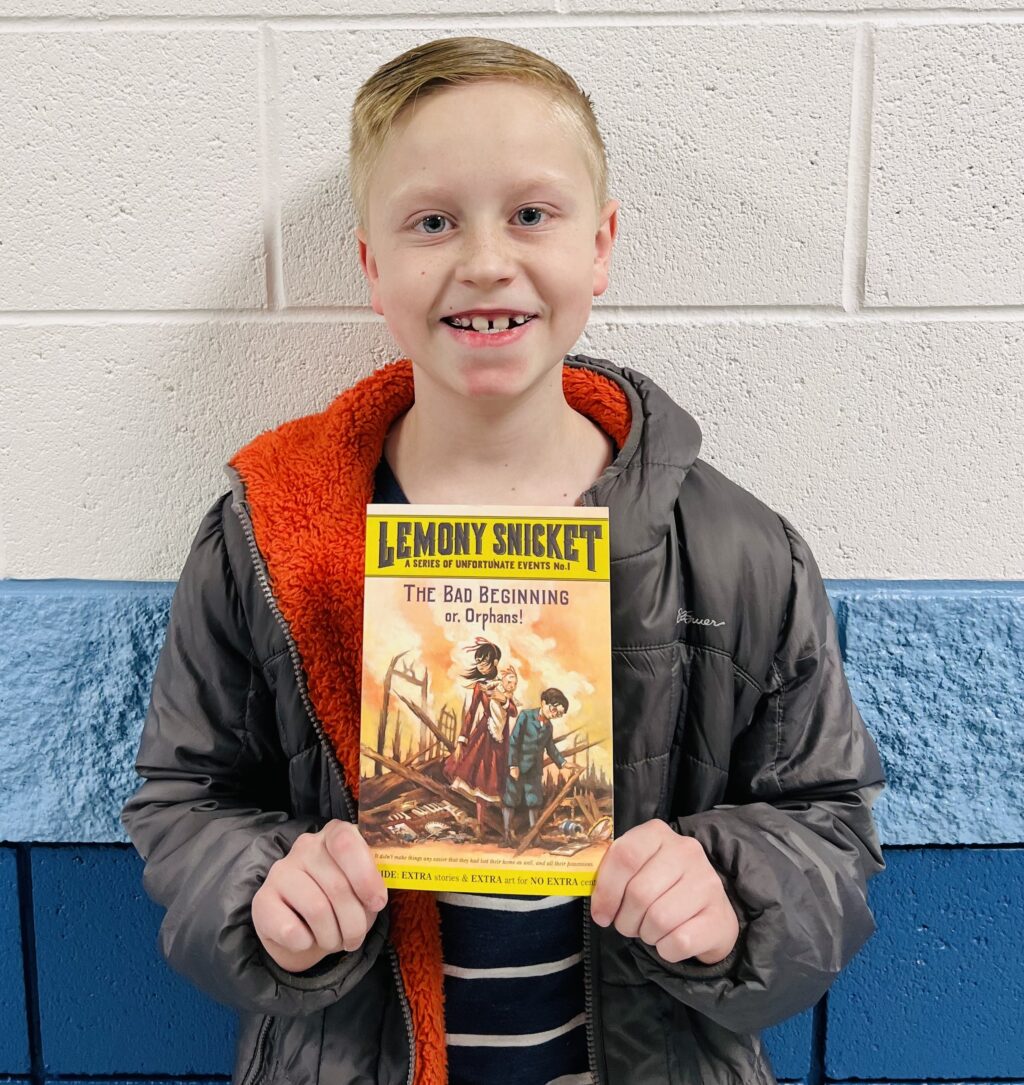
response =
{"points": [[486, 713]]}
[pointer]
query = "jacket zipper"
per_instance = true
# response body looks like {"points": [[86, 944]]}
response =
{"points": [[406, 1011], [588, 996], [588, 497], [256, 1061], [293, 653]]}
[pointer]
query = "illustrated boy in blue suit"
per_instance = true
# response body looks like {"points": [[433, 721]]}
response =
{"points": [[532, 738]]}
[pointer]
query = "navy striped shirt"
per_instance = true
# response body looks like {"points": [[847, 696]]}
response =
{"points": [[513, 972], [513, 989]]}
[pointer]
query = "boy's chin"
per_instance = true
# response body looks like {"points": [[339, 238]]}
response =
{"points": [[493, 382], [501, 380]]}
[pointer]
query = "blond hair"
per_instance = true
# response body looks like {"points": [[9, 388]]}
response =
{"points": [[445, 62]]}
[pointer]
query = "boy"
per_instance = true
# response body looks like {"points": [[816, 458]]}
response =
{"points": [[532, 738], [735, 891]]}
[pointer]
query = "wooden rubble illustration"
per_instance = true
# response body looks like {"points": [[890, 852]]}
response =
{"points": [[408, 798]]}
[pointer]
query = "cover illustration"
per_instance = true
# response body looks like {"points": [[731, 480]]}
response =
{"points": [[486, 740]]}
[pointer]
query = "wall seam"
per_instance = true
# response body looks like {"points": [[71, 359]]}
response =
{"points": [[128, 1078], [858, 184], [938, 845], [485, 19], [819, 1041], [27, 929], [267, 91]]}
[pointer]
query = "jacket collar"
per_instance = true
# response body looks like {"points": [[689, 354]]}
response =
{"points": [[641, 485]]}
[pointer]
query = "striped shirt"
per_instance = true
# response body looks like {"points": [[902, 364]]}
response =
{"points": [[513, 989], [513, 972]]}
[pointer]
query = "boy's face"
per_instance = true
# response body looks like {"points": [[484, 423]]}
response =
{"points": [[551, 711], [482, 200]]}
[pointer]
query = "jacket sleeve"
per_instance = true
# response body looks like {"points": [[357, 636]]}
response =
{"points": [[553, 751], [798, 843], [209, 821]]}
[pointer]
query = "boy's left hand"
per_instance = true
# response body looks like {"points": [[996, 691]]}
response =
{"points": [[660, 887]]}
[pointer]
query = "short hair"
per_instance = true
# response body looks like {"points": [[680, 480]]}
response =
{"points": [[554, 696], [446, 62]]}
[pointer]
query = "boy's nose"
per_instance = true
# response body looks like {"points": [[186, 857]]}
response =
{"points": [[485, 258]]}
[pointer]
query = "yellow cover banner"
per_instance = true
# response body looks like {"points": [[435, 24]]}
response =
{"points": [[472, 543]]}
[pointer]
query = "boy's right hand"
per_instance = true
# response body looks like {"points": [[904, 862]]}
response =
{"points": [[322, 897]]}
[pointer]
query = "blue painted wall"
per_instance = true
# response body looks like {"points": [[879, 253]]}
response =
{"points": [[107, 1002], [935, 995], [939, 990]]}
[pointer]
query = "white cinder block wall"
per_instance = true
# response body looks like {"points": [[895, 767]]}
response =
{"points": [[821, 254]]}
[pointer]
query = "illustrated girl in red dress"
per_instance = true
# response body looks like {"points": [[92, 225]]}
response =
{"points": [[479, 764]]}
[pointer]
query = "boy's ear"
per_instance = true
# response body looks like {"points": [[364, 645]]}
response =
{"points": [[607, 228], [369, 266]]}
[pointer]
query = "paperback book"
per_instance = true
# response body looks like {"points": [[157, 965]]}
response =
{"points": [[486, 719]]}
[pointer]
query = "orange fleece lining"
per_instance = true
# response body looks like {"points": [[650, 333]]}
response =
{"points": [[307, 484]]}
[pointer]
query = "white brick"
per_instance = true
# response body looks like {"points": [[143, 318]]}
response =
{"points": [[130, 169], [319, 74], [114, 437], [895, 448], [947, 178], [727, 146]]}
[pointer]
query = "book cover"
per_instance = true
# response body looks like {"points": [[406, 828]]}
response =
{"points": [[486, 723]]}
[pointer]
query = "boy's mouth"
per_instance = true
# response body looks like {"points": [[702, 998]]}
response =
{"points": [[495, 323]]}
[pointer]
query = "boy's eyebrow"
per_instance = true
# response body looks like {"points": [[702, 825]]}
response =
{"points": [[415, 192]]}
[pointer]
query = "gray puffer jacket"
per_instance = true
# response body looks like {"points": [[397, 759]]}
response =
{"points": [[733, 722]]}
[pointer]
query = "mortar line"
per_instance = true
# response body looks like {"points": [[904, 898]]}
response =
{"points": [[70, 845], [816, 1073], [526, 21], [931, 1079], [150, 1076], [30, 967], [268, 90], [858, 178], [1005, 845]]}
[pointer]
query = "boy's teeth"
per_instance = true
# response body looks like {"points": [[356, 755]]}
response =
{"points": [[483, 324]]}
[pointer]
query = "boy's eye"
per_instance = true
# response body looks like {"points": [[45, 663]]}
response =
{"points": [[531, 212], [432, 224]]}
